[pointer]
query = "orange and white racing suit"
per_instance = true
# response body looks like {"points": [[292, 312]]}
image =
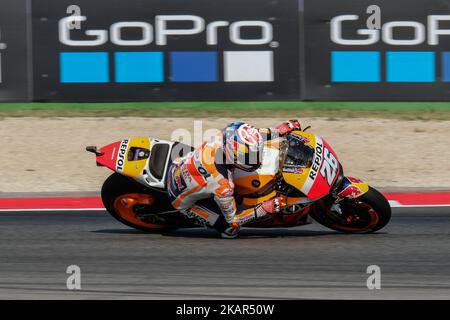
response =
{"points": [[202, 175]]}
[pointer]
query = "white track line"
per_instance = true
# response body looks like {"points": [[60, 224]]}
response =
{"points": [[394, 204], [52, 210], [420, 206]]}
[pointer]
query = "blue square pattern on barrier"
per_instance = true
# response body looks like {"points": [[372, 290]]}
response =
{"points": [[445, 66], [355, 66], [84, 67], [139, 66], [410, 66], [193, 66]]}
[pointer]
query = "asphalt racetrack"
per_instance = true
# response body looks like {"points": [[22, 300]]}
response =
{"points": [[413, 253]]}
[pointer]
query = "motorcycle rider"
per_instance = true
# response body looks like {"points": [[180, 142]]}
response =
{"points": [[200, 184]]}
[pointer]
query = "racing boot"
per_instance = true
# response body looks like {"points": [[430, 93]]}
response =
{"points": [[232, 231]]}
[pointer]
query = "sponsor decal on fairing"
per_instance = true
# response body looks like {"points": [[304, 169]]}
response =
{"points": [[121, 155]]}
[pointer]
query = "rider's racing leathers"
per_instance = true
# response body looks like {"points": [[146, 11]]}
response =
{"points": [[202, 176]]}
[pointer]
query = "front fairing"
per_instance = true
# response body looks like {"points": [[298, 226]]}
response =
{"points": [[317, 179], [314, 180]]}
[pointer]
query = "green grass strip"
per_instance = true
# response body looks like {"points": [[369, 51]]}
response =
{"points": [[404, 110]]}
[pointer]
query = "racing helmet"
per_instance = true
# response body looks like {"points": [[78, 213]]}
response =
{"points": [[243, 146]]}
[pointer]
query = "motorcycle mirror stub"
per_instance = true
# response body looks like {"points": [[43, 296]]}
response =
{"points": [[94, 149]]}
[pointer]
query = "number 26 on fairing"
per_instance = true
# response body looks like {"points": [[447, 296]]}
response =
{"points": [[329, 166]]}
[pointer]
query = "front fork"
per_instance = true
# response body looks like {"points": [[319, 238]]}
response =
{"points": [[329, 207]]}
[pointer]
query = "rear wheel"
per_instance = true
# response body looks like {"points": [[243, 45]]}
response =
{"points": [[128, 201], [365, 214]]}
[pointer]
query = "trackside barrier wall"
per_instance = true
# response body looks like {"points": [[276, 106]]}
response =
{"points": [[157, 50], [15, 72], [166, 50], [348, 56]]}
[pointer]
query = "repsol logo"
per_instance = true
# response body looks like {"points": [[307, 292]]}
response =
{"points": [[160, 31], [430, 32], [317, 161], [121, 155]]}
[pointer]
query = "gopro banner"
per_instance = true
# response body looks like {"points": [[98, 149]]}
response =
{"points": [[377, 50], [14, 76], [165, 49]]}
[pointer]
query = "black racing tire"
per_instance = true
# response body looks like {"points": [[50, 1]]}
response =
{"points": [[375, 219], [117, 185]]}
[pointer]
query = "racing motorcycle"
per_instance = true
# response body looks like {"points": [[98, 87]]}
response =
{"points": [[300, 167]]}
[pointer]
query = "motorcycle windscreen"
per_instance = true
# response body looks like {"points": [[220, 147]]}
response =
{"points": [[324, 171], [311, 165]]}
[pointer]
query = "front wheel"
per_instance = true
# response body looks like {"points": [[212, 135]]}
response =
{"points": [[365, 214], [125, 199]]}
